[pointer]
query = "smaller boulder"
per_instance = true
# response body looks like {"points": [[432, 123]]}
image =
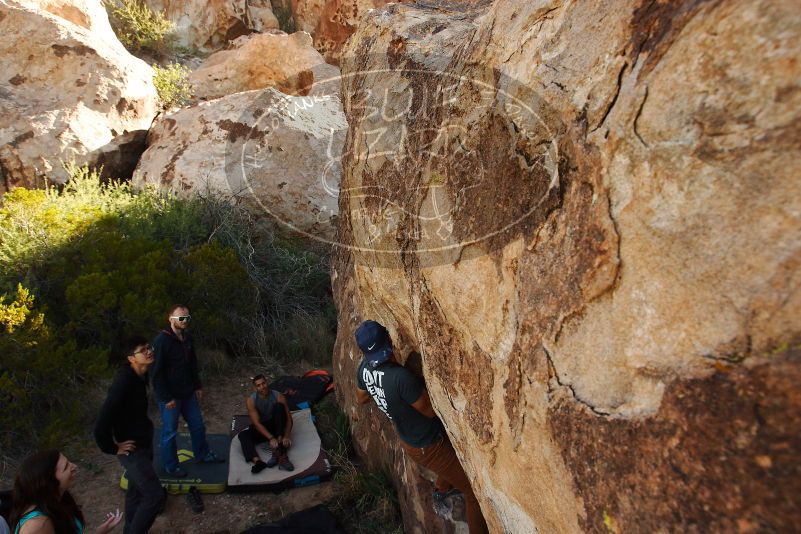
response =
{"points": [[287, 63], [209, 24], [330, 22], [277, 154]]}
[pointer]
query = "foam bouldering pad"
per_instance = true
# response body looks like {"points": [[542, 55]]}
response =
{"points": [[207, 478], [315, 520], [306, 453]]}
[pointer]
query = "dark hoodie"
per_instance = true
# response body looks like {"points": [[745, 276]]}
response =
{"points": [[175, 372], [124, 414]]}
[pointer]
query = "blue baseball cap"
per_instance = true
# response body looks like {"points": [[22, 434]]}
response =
{"points": [[374, 341]]}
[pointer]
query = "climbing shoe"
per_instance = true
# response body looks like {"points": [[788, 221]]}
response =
{"points": [[212, 458], [438, 495], [194, 500], [443, 503], [258, 467]]}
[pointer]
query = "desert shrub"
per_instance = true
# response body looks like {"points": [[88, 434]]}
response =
{"points": [[42, 375], [140, 28], [92, 262], [101, 261], [282, 9], [172, 85]]}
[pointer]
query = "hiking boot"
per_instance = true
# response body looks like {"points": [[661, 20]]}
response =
{"points": [[194, 500], [178, 472], [212, 458], [284, 464]]}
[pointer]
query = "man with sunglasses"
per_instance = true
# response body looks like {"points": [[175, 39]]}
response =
{"points": [[176, 382]]}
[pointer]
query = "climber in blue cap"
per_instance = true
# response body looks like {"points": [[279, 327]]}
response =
{"points": [[402, 396]]}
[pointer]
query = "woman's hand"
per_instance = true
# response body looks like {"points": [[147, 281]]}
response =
{"points": [[126, 447], [273, 443], [286, 442], [112, 520]]}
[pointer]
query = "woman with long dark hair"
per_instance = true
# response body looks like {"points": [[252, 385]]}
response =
{"points": [[42, 501]]}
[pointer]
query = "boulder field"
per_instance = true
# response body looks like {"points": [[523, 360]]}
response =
{"points": [[580, 221]]}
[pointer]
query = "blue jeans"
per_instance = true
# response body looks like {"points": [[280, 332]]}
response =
{"points": [[190, 410]]}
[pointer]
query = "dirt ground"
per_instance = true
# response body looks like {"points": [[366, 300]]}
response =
{"points": [[97, 487]]}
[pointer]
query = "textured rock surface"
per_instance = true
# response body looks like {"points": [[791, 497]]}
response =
{"points": [[288, 63], [331, 22], [588, 226], [279, 154], [210, 24], [68, 88]]}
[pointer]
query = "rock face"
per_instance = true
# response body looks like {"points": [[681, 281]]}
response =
{"points": [[68, 88], [210, 24], [330, 22], [277, 153], [288, 63], [585, 219]]}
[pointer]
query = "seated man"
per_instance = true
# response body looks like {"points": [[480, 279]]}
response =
{"points": [[271, 421]]}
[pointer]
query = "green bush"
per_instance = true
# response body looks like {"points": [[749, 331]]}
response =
{"points": [[139, 28], [42, 375], [102, 262], [90, 263], [172, 85]]}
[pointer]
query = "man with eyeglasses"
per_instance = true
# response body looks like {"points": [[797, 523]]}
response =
{"points": [[124, 429], [176, 381]]}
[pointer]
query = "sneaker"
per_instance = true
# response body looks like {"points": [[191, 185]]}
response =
{"points": [[178, 472], [273, 461], [212, 458], [443, 505], [194, 500], [258, 467], [285, 465]]}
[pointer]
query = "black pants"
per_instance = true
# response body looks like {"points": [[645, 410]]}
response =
{"points": [[145, 496], [275, 424]]}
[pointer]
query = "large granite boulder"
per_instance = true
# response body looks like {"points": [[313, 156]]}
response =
{"points": [[288, 63], [330, 22], [209, 24], [585, 219], [278, 154], [68, 89]]}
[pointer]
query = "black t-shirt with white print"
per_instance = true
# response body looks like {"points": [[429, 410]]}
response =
{"points": [[394, 388]]}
